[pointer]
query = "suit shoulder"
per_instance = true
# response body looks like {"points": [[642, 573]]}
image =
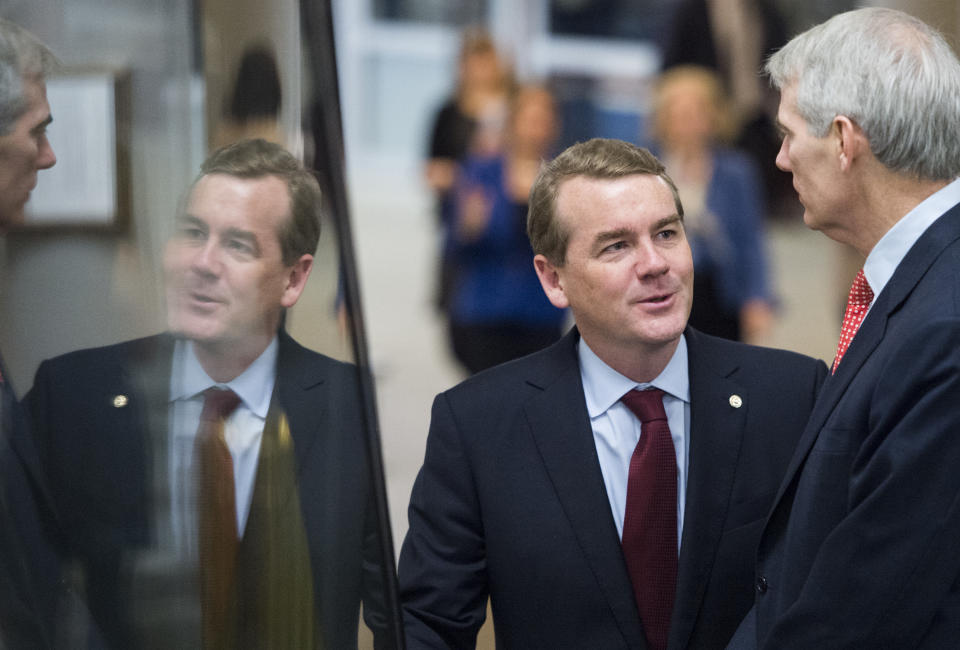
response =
{"points": [[771, 361], [96, 357], [293, 353], [512, 381]]}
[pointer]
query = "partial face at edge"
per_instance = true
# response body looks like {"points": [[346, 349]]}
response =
{"points": [[813, 162], [24, 151]]}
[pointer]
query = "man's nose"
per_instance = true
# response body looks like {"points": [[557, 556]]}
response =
{"points": [[782, 160], [206, 258], [47, 157], [651, 261]]}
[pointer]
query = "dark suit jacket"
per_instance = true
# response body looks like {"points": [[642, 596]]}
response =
{"points": [[861, 547], [29, 567], [99, 460], [510, 502]]}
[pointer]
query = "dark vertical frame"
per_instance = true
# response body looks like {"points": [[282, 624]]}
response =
{"points": [[327, 133]]}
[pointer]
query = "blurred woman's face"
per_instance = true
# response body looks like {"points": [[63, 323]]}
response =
{"points": [[534, 122], [687, 114], [481, 69]]}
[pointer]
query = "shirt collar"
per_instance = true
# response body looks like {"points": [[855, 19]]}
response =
{"points": [[886, 256], [603, 386], [254, 385]]}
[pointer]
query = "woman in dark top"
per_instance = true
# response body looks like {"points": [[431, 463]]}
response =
{"points": [[470, 121], [498, 310]]}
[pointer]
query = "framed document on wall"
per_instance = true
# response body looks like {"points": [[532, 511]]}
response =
{"points": [[88, 188]]}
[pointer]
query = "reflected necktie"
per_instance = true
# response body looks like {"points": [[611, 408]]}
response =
{"points": [[858, 301], [217, 513], [650, 522]]}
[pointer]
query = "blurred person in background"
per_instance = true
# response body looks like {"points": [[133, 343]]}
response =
{"points": [[733, 38], [723, 204], [469, 122], [27, 561], [213, 479], [497, 310], [253, 110]]}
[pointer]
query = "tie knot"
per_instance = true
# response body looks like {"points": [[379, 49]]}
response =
{"points": [[860, 292], [647, 405], [218, 403]]}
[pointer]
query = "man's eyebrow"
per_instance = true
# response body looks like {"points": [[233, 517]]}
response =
{"points": [[191, 220], [244, 235], [43, 124], [609, 235], [667, 221], [781, 128]]}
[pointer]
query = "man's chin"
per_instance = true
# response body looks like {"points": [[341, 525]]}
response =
{"points": [[193, 331], [10, 219]]}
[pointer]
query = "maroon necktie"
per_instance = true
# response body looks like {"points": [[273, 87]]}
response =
{"points": [[650, 521], [858, 301], [217, 515]]}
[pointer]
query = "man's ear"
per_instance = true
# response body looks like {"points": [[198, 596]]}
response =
{"points": [[296, 280], [851, 141], [551, 281]]}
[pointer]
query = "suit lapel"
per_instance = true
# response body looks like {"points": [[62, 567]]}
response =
{"points": [[301, 389], [144, 377], [560, 426], [147, 373], [716, 432], [943, 232]]}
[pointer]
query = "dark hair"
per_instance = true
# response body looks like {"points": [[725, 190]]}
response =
{"points": [[300, 233], [596, 158], [256, 92]]}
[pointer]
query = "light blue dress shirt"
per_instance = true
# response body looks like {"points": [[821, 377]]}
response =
{"points": [[243, 431], [887, 254], [616, 430]]}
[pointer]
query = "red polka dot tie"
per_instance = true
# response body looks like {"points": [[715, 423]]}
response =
{"points": [[861, 295], [650, 521]]}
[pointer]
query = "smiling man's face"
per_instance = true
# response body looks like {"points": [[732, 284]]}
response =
{"points": [[628, 271], [227, 282]]}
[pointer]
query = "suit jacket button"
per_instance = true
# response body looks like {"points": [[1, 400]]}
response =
{"points": [[761, 585]]}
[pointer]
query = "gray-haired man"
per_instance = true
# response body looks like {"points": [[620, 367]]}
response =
{"points": [[24, 150]]}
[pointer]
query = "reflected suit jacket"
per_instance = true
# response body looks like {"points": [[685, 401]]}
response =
{"points": [[510, 503], [29, 567], [861, 547], [98, 457]]}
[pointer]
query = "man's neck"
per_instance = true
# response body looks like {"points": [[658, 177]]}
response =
{"points": [[225, 362], [641, 363], [886, 202]]}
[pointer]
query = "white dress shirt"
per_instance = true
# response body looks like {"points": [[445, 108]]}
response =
{"points": [[243, 431], [616, 429], [887, 254]]}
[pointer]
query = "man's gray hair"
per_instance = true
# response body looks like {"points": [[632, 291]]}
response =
{"points": [[891, 74], [22, 58]]}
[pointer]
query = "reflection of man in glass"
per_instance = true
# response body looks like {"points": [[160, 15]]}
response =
{"points": [[24, 117], [24, 150], [132, 440]]}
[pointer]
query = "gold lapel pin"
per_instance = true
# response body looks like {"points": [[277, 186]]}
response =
{"points": [[119, 401], [736, 401]]}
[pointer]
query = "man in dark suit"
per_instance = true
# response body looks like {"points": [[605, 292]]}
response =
{"points": [[528, 492], [25, 557], [124, 438], [860, 548]]}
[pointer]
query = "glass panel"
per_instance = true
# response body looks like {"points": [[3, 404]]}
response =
{"points": [[629, 19], [447, 12], [133, 514]]}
